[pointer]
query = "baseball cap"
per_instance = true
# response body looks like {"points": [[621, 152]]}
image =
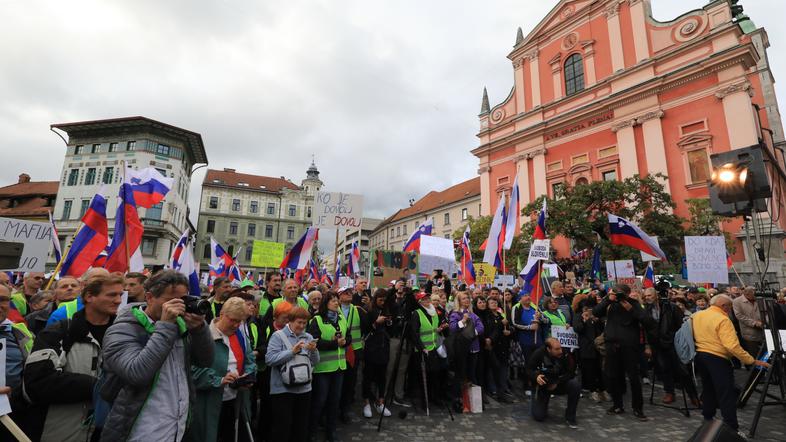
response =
{"points": [[422, 295]]}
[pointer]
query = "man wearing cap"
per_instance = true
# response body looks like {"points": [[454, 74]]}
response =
{"points": [[425, 328], [31, 284], [357, 328]]}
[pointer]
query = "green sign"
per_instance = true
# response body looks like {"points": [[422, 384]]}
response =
{"points": [[267, 254]]}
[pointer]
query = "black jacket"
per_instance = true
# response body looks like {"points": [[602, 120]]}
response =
{"points": [[430, 284], [622, 326], [661, 332], [587, 331], [36, 321], [563, 369], [377, 347]]}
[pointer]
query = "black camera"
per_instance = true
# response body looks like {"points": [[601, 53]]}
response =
{"points": [[551, 374], [197, 306]]}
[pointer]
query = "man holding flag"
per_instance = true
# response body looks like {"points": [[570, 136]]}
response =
{"points": [[531, 273]]}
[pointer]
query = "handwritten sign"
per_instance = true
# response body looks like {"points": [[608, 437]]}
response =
{"points": [[566, 336], [706, 259], [484, 273], [539, 250], [267, 254], [620, 269], [36, 237], [336, 210]]}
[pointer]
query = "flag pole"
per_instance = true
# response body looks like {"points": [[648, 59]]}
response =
{"points": [[128, 252], [371, 270], [742, 284], [63, 258], [335, 255]]}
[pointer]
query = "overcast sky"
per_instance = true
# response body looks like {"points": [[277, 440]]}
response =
{"points": [[384, 93]]}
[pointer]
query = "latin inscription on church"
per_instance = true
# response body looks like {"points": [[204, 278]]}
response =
{"points": [[581, 126]]}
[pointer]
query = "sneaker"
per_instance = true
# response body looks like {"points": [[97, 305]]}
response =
{"points": [[640, 415], [603, 396], [381, 409], [595, 396], [572, 424], [528, 393], [668, 398], [742, 435], [401, 402], [367, 410], [645, 380], [615, 410]]}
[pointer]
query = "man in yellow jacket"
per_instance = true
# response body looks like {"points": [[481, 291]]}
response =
{"points": [[716, 342]]}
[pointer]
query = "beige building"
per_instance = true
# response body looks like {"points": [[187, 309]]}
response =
{"points": [[450, 208]]}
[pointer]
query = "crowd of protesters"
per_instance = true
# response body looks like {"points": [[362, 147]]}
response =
{"points": [[134, 357]]}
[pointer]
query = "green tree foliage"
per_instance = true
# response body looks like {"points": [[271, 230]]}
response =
{"points": [[704, 222], [581, 211]]}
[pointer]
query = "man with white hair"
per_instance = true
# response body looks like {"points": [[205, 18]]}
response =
{"points": [[716, 343], [751, 325]]}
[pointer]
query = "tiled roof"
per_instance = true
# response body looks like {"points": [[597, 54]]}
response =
{"points": [[31, 198], [434, 199], [230, 178]]}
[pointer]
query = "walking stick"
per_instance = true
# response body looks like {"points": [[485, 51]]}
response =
{"points": [[12, 428], [425, 382]]}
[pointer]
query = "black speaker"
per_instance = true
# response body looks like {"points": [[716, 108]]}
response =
{"points": [[733, 199], [715, 431]]}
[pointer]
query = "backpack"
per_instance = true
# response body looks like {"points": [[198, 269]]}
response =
{"points": [[297, 371], [684, 343]]}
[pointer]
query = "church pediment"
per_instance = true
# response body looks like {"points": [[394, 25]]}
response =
{"points": [[695, 139], [563, 12]]}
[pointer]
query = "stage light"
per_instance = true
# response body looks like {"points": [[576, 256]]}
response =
{"points": [[739, 182]]}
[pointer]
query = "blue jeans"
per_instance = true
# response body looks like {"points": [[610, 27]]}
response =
{"points": [[325, 396]]}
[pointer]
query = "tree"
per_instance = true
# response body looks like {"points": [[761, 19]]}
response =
{"points": [[703, 221], [479, 231], [580, 213]]}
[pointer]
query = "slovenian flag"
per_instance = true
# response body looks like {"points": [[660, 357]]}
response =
{"points": [[514, 212], [148, 186], [649, 277], [182, 261], [531, 271], [221, 262], [413, 243], [354, 261], [625, 233], [467, 268], [298, 257], [89, 241], [496, 238]]}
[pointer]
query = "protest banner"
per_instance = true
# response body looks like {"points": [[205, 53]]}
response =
{"points": [[539, 250], [706, 259], [34, 238], [566, 336], [336, 210], [395, 260], [620, 269], [484, 273], [436, 254], [550, 270], [267, 254]]}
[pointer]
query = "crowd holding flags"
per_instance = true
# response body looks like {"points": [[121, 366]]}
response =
{"points": [[298, 257]]}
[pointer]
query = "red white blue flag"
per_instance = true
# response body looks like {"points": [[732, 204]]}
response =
{"points": [[467, 268], [496, 238], [182, 261], [221, 262], [413, 243], [90, 241], [624, 233], [354, 261], [514, 212], [649, 277], [298, 257]]}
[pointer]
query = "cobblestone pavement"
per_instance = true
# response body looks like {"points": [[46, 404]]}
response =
{"points": [[511, 422]]}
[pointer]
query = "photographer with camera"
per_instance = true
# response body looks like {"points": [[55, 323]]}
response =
{"points": [[148, 353], [550, 369], [222, 390], [624, 317], [663, 319], [400, 303], [438, 279]]}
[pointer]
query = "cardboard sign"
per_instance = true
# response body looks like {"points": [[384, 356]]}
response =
{"points": [[550, 270], [336, 210], [706, 259], [35, 238], [504, 281], [436, 254], [484, 273], [267, 254], [620, 269], [539, 250], [566, 336], [646, 257]]}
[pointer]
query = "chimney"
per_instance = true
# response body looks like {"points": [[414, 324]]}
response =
{"points": [[226, 169], [24, 178]]}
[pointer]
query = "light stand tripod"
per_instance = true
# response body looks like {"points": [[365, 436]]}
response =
{"points": [[685, 409], [776, 374]]}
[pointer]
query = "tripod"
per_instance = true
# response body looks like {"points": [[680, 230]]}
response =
{"points": [[685, 409], [776, 374]]}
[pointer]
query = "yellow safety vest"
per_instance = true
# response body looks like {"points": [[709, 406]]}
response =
{"points": [[300, 303], [354, 326], [331, 360], [20, 302], [428, 330], [28, 343]]}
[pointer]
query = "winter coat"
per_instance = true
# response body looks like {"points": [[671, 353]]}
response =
{"points": [[454, 319], [377, 349], [587, 331]]}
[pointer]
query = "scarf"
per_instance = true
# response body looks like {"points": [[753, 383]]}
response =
{"points": [[431, 310], [237, 344], [332, 316]]}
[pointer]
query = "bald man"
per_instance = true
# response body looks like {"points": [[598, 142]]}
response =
{"points": [[31, 284]]}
